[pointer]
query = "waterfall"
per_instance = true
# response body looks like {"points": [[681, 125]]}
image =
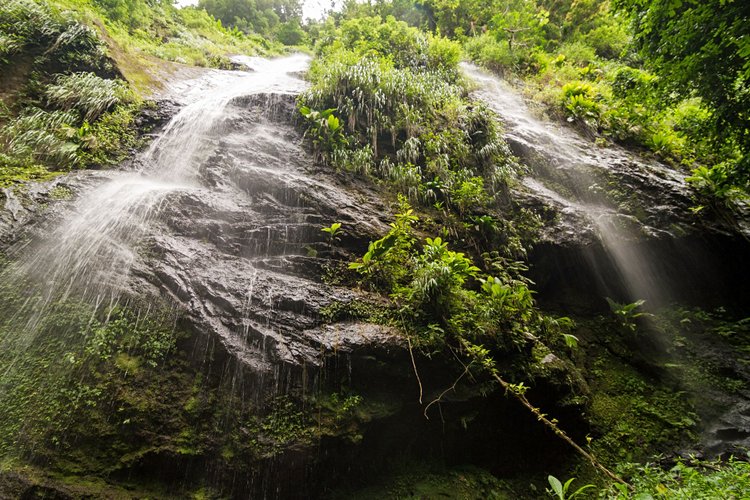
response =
{"points": [[89, 252], [79, 265], [578, 177]]}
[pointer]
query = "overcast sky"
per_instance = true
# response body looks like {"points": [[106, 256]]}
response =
{"points": [[311, 9]]}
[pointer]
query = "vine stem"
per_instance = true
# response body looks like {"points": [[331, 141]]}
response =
{"points": [[481, 355], [414, 365], [557, 430]]}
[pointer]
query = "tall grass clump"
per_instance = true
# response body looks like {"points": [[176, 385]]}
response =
{"points": [[41, 136], [398, 92], [86, 93]]}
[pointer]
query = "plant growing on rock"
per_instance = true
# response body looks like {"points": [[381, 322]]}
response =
{"points": [[325, 129], [404, 113], [560, 490], [333, 232], [627, 314]]}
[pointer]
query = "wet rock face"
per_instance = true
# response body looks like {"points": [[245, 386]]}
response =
{"points": [[614, 223], [244, 254], [27, 208], [244, 251]]}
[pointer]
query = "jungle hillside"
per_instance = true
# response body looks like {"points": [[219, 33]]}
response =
{"points": [[398, 249]]}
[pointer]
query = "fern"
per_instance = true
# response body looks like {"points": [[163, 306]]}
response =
{"points": [[85, 92]]}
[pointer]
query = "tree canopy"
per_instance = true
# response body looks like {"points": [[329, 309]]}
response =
{"points": [[264, 17], [702, 47]]}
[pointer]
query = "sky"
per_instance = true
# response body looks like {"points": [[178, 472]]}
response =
{"points": [[311, 9]]}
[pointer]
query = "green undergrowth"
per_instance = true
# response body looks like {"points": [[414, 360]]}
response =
{"points": [[421, 480], [184, 35], [92, 399], [610, 69], [687, 480], [402, 116], [64, 105], [656, 381], [122, 400], [73, 73], [388, 104]]}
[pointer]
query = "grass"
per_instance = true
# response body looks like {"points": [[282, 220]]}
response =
{"points": [[86, 68]]}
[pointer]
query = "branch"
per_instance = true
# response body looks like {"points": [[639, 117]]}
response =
{"points": [[451, 388], [481, 355], [557, 430]]}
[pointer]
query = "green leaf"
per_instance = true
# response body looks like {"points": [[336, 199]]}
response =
{"points": [[579, 491], [570, 340], [557, 486]]}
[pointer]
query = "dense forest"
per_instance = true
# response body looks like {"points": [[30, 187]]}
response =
{"points": [[412, 249]]}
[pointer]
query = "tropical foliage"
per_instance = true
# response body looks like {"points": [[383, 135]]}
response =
{"points": [[652, 80]]}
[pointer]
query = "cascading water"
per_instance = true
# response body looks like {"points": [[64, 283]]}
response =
{"points": [[626, 204], [215, 227], [90, 251], [581, 180], [86, 255]]}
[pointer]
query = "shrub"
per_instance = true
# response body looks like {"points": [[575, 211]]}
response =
{"points": [[608, 40], [86, 93], [687, 480], [42, 136], [578, 53]]}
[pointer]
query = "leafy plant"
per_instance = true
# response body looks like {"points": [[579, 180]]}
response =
{"points": [[560, 490], [627, 313], [715, 184], [325, 129], [333, 232], [581, 108], [86, 93], [687, 479], [386, 261]]}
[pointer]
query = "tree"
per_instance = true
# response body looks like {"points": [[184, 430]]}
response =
{"points": [[702, 47], [520, 23], [259, 16]]}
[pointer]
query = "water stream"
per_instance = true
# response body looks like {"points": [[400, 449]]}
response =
{"points": [[91, 248], [629, 203], [581, 180]]}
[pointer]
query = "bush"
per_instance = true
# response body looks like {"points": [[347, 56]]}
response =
{"points": [[86, 93], [497, 56], [290, 33], [42, 136], [610, 41], [577, 53], [687, 480]]}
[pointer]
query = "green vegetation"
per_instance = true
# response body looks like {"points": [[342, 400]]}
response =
{"points": [[687, 480], [74, 72], [416, 480], [388, 104], [443, 298], [560, 490], [712, 62], [394, 107], [278, 19], [90, 397], [107, 392], [633, 72]]}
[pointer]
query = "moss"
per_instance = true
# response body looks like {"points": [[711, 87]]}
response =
{"points": [[60, 193], [634, 415], [286, 422], [12, 174], [420, 480], [356, 309], [97, 394]]}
